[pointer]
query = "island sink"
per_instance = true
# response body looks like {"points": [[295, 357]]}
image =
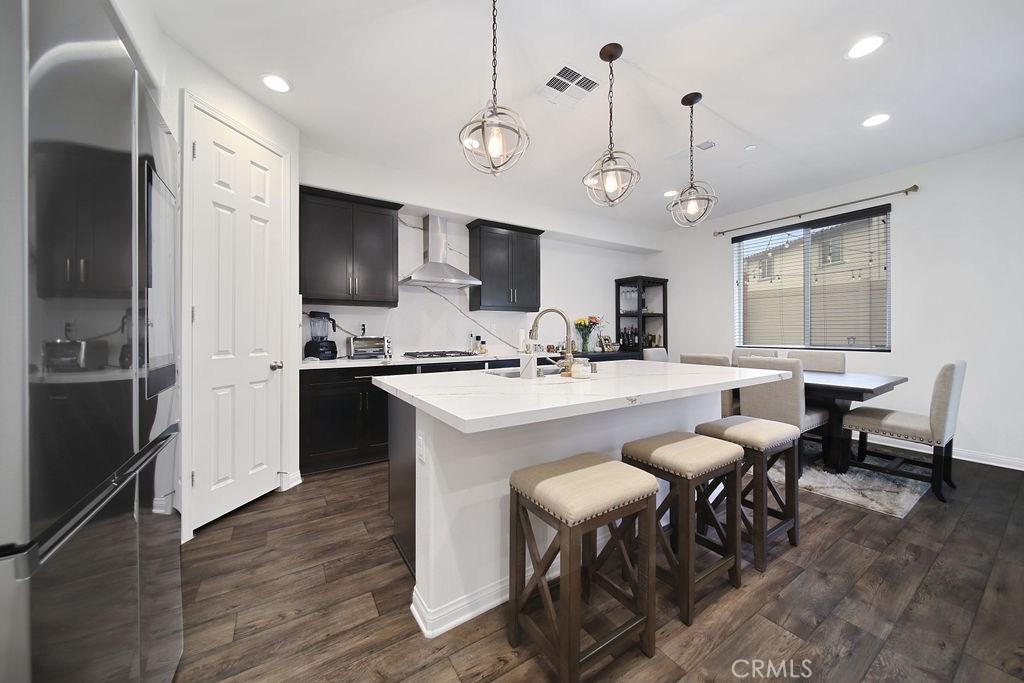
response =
{"points": [[542, 371]]}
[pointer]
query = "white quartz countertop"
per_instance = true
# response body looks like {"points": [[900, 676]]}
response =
{"points": [[82, 376], [477, 401], [402, 360]]}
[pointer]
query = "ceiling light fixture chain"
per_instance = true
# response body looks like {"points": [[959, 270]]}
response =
{"points": [[611, 106], [494, 52], [691, 145], [694, 202], [495, 138]]}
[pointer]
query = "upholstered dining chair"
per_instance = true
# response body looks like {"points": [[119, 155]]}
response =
{"points": [[762, 353], [780, 401], [730, 398], [659, 354], [786, 403], [820, 361], [935, 429]]}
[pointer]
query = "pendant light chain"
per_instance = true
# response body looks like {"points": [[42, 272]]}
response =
{"points": [[495, 138], [691, 145], [611, 106], [494, 52]]}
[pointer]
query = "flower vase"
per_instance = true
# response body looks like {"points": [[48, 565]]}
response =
{"points": [[584, 342]]}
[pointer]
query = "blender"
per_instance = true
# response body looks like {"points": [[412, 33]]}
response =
{"points": [[319, 346]]}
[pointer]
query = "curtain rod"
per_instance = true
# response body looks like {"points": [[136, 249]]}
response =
{"points": [[905, 191]]}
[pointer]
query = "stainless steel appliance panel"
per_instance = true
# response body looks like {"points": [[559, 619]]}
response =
{"points": [[159, 265], [84, 597], [160, 609], [80, 173]]}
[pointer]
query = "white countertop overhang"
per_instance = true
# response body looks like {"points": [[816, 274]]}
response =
{"points": [[476, 401]]}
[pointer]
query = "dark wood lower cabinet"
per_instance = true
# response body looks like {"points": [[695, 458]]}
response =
{"points": [[343, 418]]}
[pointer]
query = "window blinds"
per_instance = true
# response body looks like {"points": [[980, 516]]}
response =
{"points": [[822, 284]]}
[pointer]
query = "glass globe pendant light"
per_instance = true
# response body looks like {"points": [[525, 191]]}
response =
{"points": [[694, 202], [495, 138], [614, 175]]}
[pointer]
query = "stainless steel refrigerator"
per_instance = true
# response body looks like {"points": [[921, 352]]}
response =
{"points": [[90, 580]]}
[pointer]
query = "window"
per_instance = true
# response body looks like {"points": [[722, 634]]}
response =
{"points": [[832, 250], [820, 284]]}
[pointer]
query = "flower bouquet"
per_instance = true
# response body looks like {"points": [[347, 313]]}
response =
{"points": [[585, 326]]}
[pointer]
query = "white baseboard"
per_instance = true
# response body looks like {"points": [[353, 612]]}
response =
{"points": [[164, 505], [980, 457], [289, 480], [434, 622]]}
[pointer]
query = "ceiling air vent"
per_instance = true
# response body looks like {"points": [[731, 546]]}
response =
{"points": [[706, 145], [566, 87]]}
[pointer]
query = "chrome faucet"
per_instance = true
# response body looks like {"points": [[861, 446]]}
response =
{"points": [[568, 332]]}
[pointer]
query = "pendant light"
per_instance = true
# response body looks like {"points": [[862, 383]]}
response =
{"points": [[495, 138], [694, 202], [614, 175]]}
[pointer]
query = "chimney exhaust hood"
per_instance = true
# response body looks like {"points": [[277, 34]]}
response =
{"points": [[436, 271]]}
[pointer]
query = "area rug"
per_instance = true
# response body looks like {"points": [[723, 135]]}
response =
{"points": [[894, 496]]}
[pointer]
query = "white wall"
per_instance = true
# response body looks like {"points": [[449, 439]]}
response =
{"points": [[577, 278], [957, 251]]}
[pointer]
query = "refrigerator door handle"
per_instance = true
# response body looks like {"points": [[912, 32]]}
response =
{"points": [[41, 554], [147, 454]]}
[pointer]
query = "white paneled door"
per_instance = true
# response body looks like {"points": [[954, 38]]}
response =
{"points": [[238, 268]]}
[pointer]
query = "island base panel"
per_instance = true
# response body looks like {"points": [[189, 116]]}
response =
{"points": [[461, 496], [402, 477]]}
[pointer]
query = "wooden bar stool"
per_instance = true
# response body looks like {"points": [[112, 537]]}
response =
{"points": [[577, 496], [692, 465], [763, 442]]}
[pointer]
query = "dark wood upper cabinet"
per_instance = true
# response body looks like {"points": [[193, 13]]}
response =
{"points": [[348, 249], [506, 258], [86, 236], [375, 254]]}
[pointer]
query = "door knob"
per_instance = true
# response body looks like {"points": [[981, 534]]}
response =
{"points": [[276, 365]]}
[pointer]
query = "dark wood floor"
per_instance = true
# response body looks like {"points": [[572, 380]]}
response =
{"points": [[307, 585]]}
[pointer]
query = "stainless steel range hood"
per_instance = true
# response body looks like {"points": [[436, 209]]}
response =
{"points": [[436, 271]]}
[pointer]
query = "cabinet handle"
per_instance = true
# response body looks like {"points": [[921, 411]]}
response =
{"points": [[81, 270], [357, 284], [515, 295], [363, 377], [67, 269], [349, 284], [510, 295]]}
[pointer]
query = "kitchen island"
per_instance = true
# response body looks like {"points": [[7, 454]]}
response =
{"points": [[455, 438]]}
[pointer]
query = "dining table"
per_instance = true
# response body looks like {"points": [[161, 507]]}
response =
{"points": [[836, 391]]}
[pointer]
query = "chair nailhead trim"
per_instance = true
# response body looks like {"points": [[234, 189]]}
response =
{"points": [[895, 435], [680, 474], [577, 523]]}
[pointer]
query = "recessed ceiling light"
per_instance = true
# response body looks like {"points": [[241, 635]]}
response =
{"points": [[275, 82], [865, 46], [671, 193], [750, 148], [876, 120]]}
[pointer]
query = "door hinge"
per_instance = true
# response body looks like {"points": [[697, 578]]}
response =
{"points": [[193, 149], [193, 478], [193, 314]]}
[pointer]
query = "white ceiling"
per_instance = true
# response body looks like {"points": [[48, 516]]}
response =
{"points": [[392, 82]]}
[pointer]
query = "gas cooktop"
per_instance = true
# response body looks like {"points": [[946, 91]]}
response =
{"points": [[438, 354]]}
